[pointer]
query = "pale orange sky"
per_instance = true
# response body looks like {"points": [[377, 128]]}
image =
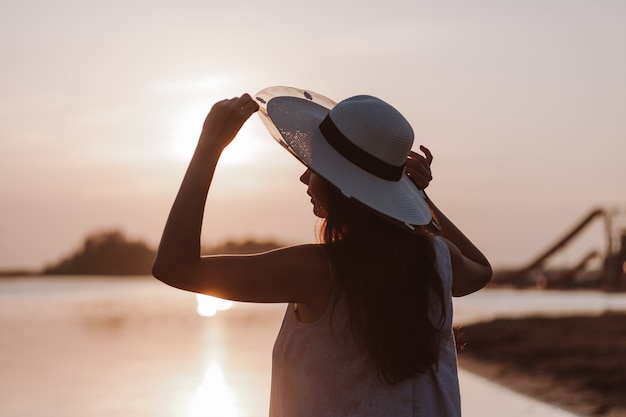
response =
{"points": [[523, 104]]}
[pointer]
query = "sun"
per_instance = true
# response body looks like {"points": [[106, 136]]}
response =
{"points": [[208, 306], [186, 131]]}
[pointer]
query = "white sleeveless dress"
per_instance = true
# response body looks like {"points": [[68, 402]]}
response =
{"points": [[317, 371]]}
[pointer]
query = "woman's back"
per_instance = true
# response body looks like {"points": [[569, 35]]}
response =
{"points": [[318, 370]]}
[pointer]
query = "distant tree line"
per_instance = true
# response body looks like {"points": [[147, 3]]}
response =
{"points": [[110, 252]]}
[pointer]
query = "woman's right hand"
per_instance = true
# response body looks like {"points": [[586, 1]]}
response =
{"points": [[226, 118]]}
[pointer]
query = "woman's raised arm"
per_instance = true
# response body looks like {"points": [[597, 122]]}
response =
{"points": [[179, 249], [286, 275]]}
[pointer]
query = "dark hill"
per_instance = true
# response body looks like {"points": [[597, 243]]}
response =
{"points": [[106, 253], [110, 252]]}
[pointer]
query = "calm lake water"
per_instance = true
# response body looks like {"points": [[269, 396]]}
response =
{"points": [[95, 347]]}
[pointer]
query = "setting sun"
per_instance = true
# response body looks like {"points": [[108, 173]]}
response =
{"points": [[209, 306], [187, 128]]}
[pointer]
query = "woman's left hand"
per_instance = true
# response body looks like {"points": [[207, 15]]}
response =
{"points": [[418, 168]]}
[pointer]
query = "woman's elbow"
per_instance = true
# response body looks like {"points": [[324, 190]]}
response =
{"points": [[168, 272], [158, 270], [162, 272], [179, 273], [485, 277], [470, 284]]}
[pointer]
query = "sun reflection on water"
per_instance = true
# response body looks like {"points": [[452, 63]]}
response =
{"points": [[213, 397], [208, 306]]}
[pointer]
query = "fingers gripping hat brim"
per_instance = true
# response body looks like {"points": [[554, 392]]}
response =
{"points": [[293, 116]]}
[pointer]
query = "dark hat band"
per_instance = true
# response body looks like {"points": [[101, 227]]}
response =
{"points": [[356, 155]]}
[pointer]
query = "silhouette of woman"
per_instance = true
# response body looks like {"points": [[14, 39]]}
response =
{"points": [[368, 327]]}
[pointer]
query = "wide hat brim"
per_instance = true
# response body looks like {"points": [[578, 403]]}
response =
{"points": [[293, 116]]}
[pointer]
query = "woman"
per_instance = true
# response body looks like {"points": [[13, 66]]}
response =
{"points": [[367, 331]]}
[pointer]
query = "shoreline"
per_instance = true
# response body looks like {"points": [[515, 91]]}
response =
{"points": [[577, 363]]}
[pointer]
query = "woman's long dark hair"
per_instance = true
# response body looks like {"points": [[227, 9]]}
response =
{"points": [[388, 277]]}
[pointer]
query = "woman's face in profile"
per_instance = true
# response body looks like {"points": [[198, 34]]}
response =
{"points": [[317, 191]]}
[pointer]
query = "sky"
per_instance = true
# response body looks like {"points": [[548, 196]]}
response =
{"points": [[522, 103]]}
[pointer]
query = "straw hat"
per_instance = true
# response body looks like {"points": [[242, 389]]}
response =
{"points": [[360, 145]]}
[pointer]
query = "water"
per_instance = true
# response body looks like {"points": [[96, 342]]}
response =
{"points": [[133, 346]]}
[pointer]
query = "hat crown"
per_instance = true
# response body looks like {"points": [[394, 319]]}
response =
{"points": [[374, 126], [359, 145]]}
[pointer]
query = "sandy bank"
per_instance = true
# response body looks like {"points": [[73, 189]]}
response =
{"points": [[578, 362]]}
